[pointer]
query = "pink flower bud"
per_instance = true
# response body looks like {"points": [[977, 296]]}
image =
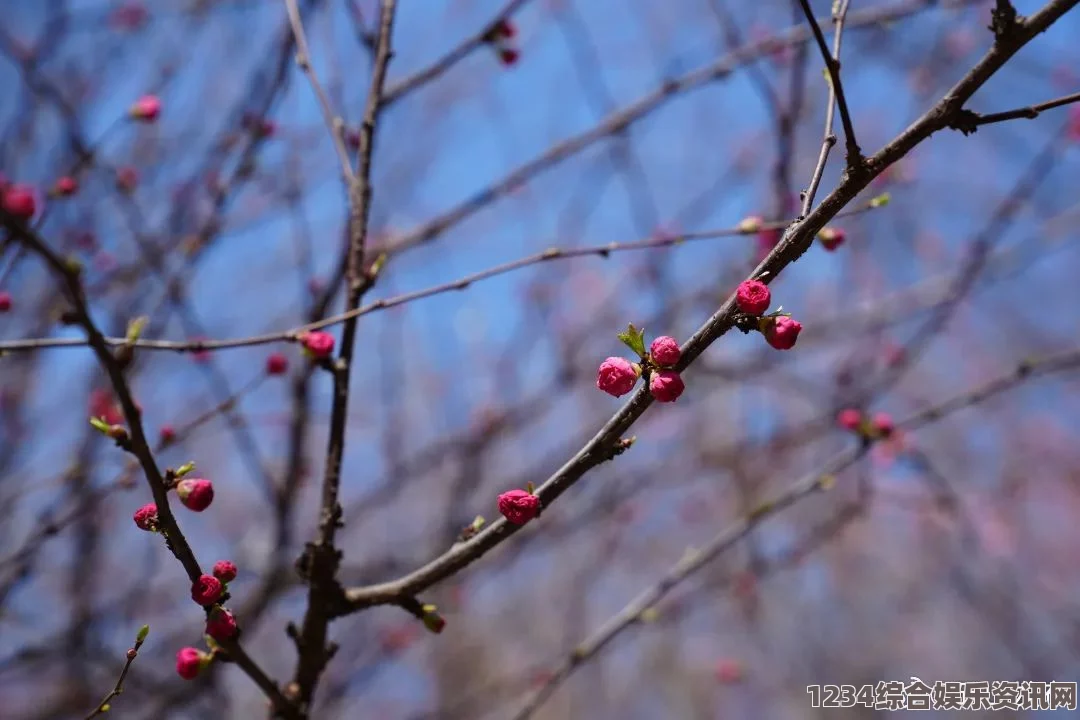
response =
{"points": [[750, 224], [132, 653], [168, 434], [206, 590], [666, 386], [665, 350], [509, 56], [753, 297], [196, 494], [505, 29], [849, 419], [127, 178], [318, 344], [883, 424], [277, 364], [5, 301], [729, 671], [189, 662], [518, 506], [617, 376], [221, 625], [782, 332], [66, 186], [1074, 123], [224, 571], [831, 238], [147, 108], [146, 517], [19, 201]]}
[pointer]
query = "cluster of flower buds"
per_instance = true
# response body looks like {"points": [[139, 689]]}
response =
{"points": [[502, 37], [879, 426], [780, 330], [210, 591], [617, 376]]}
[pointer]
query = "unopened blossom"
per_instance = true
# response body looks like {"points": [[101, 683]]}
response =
{"points": [[666, 386], [189, 662], [849, 419], [146, 517], [147, 108], [665, 351], [883, 424], [225, 571], [221, 625], [753, 297], [831, 238], [318, 344], [195, 493], [277, 364], [782, 332], [617, 376], [206, 590], [66, 186], [518, 506], [19, 201]]}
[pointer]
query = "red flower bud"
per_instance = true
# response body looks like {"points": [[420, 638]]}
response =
{"points": [[518, 506], [206, 590]]}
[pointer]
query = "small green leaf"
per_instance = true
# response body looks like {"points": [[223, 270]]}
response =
{"points": [[377, 266], [634, 339], [100, 425], [185, 469], [881, 200], [135, 328], [143, 632]]}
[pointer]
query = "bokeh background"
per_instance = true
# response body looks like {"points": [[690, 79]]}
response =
{"points": [[948, 553]]}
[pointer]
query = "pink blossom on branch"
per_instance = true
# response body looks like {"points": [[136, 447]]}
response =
{"points": [[189, 662], [221, 625], [753, 297], [849, 419], [146, 517], [617, 376], [19, 201], [225, 571], [665, 351], [782, 332], [277, 364], [318, 344], [666, 386], [518, 506], [206, 590], [195, 493], [831, 238], [147, 108]]}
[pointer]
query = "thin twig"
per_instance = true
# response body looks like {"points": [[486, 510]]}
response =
{"points": [[968, 121], [830, 115], [291, 335], [103, 706], [832, 64], [321, 559], [446, 62], [334, 123], [695, 559]]}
